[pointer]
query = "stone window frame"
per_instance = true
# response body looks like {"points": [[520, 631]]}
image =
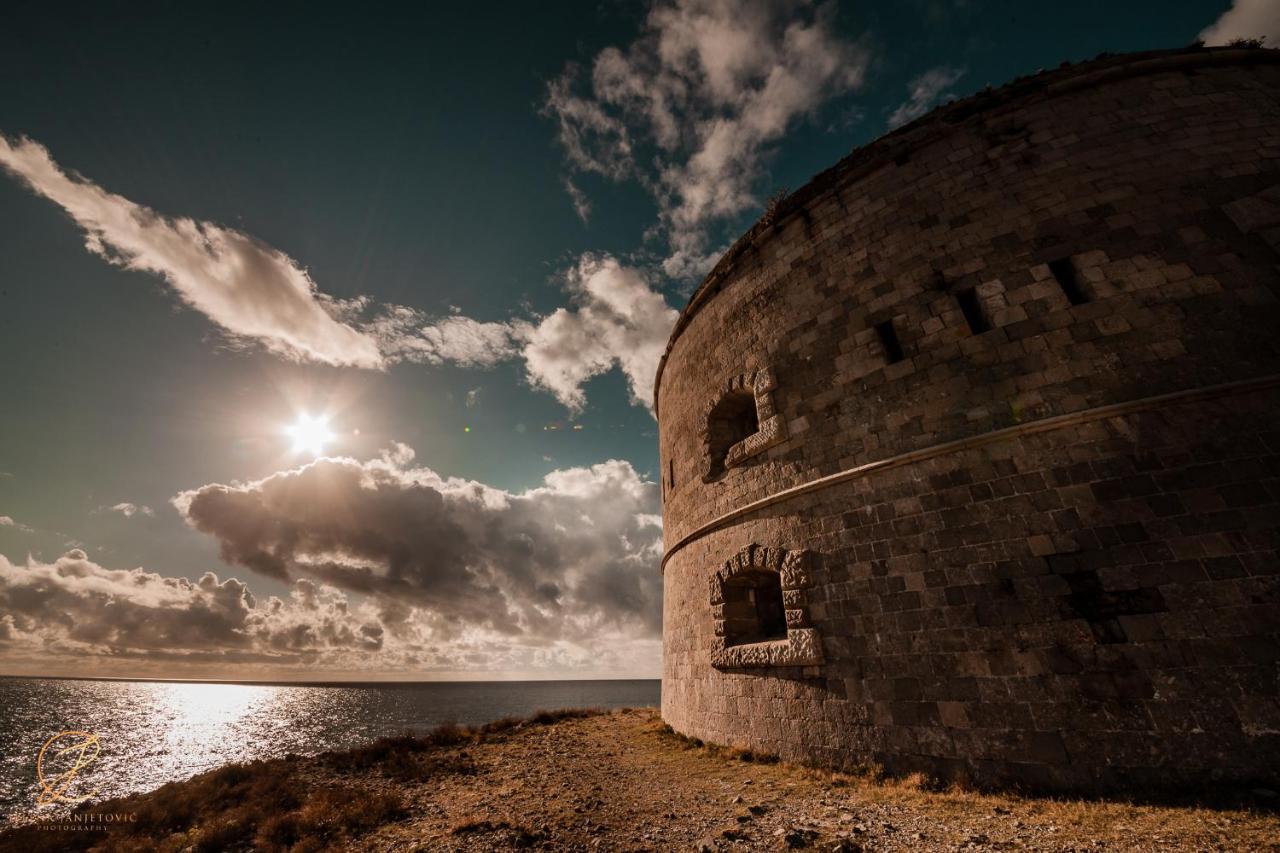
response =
{"points": [[802, 645], [771, 429]]}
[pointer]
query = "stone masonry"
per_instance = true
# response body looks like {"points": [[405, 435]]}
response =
{"points": [[971, 447]]}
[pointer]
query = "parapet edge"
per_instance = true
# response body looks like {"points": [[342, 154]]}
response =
{"points": [[1066, 78]]}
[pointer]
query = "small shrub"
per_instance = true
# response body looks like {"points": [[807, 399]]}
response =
{"points": [[226, 832], [448, 734], [505, 724], [773, 206], [546, 718]]}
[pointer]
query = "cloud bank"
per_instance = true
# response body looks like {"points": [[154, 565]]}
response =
{"points": [[690, 108], [569, 560], [390, 568], [75, 607], [1246, 19]]}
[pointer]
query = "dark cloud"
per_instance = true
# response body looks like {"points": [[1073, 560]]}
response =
{"points": [[74, 606], [576, 556], [391, 569]]}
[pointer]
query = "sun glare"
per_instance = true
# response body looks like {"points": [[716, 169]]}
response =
{"points": [[310, 434]]}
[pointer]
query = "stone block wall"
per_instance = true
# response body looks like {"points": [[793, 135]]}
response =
{"points": [[1024, 362]]}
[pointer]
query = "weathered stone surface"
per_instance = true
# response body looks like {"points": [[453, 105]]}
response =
{"points": [[1093, 604], [772, 431], [802, 646]]}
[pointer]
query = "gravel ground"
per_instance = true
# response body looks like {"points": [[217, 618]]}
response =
{"points": [[622, 782]]}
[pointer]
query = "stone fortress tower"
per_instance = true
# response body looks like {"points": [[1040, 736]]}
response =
{"points": [[971, 447]]}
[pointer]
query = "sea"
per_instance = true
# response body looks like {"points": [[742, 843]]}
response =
{"points": [[148, 733]]}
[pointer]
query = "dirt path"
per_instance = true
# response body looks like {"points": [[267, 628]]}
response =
{"points": [[621, 782]]}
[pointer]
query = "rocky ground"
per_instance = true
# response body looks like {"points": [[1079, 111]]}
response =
{"points": [[624, 781]]}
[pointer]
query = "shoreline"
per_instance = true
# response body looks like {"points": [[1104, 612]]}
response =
{"points": [[584, 779], [364, 684]]}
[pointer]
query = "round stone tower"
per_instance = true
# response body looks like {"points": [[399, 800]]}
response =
{"points": [[971, 447]]}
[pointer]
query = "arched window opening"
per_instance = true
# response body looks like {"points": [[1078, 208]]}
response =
{"points": [[753, 611], [732, 420]]}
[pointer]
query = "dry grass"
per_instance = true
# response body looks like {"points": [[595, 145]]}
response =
{"points": [[265, 805], [626, 781], [274, 806], [416, 757]]}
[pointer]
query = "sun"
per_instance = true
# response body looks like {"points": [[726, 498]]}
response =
{"points": [[310, 434]]}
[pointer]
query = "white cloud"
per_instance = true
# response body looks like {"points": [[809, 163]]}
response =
{"points": [[252, 291], [581, 204], [619, 321], [129, 510], [706, 88], [76, 607], [615, 319], [257, 293], [923, 93], [6, 521], [563, 562], [405, 334], [1246, 19]]}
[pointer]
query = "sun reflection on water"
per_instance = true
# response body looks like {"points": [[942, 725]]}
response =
{"points": [[207, 718], [155, 732]]}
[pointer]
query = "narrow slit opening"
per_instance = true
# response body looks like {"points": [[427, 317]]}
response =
{"points": [[1064, 272], [974, 314], [889, 340]]}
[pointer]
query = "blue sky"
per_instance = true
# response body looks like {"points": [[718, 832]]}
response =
{"points": [[462, 233]]}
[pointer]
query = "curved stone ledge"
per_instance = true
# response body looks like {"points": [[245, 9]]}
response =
{"points": [[800, 648], [1101, 413]]}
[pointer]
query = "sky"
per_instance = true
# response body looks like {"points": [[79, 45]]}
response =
{"points": [[328, 334]]}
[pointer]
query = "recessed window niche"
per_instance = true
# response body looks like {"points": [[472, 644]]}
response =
{"points": [[741, 423]]}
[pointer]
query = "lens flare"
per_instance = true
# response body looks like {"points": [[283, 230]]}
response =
{"points": [[310, 434]]}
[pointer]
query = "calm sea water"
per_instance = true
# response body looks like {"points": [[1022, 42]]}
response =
{"points": [[155, 732]]}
